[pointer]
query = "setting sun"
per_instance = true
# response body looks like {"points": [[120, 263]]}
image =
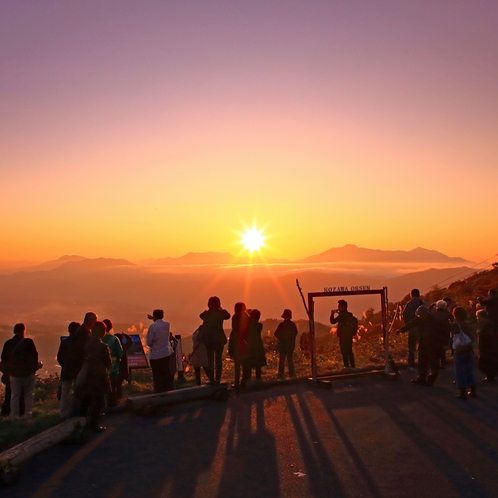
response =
{"points": [[253, 239]]}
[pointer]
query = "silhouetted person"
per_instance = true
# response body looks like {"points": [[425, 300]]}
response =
{"points": [[76, 353], [431, 338], [491, 305], [199, 357], [116, 354], [213, 336], [450, 305], [20, 360], [161, 355], [347, 328], [255, 356], [124, 374], [408, 315], [237, 343], [463, 354], [286, 334], [67, 373], [7, 395], [92, 383], [488, 346], [440, 312]]}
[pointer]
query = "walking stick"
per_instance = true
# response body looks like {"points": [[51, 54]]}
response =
{"points": [[392, 364], [312, 333], [302, 297]]}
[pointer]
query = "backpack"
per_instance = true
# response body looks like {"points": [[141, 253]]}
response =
{"points": [[351, 325]]}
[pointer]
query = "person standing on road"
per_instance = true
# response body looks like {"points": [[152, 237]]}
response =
{"points": [[213, 336], [237, 344], [464, 354], [76, 353], [67, 373], [286, 334], [116, 354], [199, 357], [124, 374], [92, 383], [408, 316], [161, 355], [255, 356], [347, 328], [440, 312], [20, 362], [431, 337], [488, 346]]}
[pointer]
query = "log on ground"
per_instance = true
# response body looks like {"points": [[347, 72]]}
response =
{"points": [[22, 452], [174, 397]]}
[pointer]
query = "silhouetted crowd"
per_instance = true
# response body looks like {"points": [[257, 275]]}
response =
{"points": [[442, 328], [94, 364]]}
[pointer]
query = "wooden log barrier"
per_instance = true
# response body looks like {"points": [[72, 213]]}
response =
{"points": [[139, 403], [22, 452]]}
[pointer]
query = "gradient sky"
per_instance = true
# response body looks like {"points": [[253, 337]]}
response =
{"points": [[150, 129]]}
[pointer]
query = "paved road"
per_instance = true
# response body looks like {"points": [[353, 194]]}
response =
{"points": [[364, 438]]}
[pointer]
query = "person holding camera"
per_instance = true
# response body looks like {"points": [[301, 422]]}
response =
{"points": [[161, 355], [347, 328]]}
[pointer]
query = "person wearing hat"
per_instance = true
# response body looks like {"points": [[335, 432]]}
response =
{"points": [[440, 312], [286, 334], [431, 337], [347, 328]]}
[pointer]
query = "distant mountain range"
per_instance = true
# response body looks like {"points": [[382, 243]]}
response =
{"points": [[74, 263], [355, 254], [348, 253]]}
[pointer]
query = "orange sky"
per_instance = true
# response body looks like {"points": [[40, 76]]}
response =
{"points": [[143, 132]]}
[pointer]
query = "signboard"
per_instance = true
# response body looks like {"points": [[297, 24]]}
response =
{"points": [[136, 353], [353, 288]]}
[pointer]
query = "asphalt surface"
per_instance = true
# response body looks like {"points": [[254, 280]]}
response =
{"points": [[365, 437]]}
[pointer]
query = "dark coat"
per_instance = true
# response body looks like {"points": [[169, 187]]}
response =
{"points": [[344, 320], [20, 359], [488, 347], [444, 318], [255, 355], [286, 334], [237, 344], [213, 335], [73, 360], [98, 359], [432, 333], [62, 356], [491, 305]]}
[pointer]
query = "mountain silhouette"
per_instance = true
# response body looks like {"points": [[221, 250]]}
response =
{"points": [[352, 253]]}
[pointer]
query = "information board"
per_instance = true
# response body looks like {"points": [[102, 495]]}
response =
{"points": [[136, 354]]}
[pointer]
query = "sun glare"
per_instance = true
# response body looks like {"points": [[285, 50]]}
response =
{"points": [[253, 239]]}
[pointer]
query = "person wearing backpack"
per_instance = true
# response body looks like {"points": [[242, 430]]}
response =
{"points": [[347, 328], [408, 315], [20, 362]]}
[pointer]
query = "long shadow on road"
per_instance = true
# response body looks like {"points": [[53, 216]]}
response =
{"points": [[363, 438]]}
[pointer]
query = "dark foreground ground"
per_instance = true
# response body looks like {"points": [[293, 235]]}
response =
{"points": [[364, 438]]}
